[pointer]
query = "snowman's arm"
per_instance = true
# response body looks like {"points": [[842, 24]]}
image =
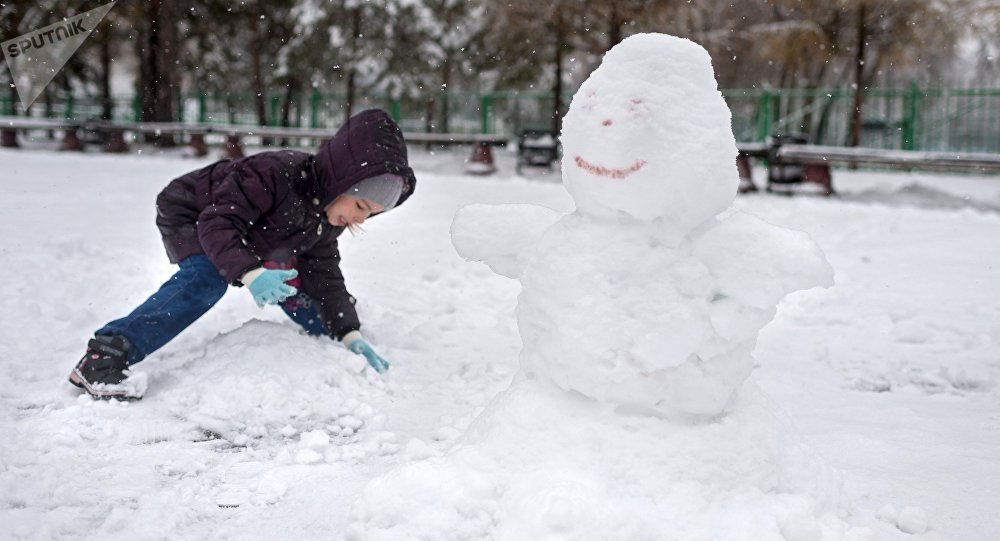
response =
{"points": [[499, 235], [757, 263]]}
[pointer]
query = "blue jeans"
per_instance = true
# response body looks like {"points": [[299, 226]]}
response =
{"points": [[184, 298]]}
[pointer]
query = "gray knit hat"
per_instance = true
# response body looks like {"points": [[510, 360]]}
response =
{"points": [[382, 189]]}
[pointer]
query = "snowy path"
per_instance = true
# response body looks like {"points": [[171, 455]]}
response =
{"points": [[891, 374]]}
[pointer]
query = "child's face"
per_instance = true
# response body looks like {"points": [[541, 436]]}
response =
{"points": [[348, 211]]}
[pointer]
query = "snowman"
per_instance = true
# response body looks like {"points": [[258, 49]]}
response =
{"points": [[630, 418], [650, 295]]}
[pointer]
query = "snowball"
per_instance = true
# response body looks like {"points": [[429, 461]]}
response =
{"points": [[912, 520], [417, 449], [801, 528], [315, 439]]}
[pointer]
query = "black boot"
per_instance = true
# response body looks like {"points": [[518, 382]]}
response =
{"points": [[102, 369]]}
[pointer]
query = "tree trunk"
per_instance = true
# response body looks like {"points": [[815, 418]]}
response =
{"points": [[557, 85], [351, 71], [156, 72], [349, 99], [291, 88], [107, 104], [614, 26], [429, 120], [859, 79], [9, 24], [445, 88], [256, 59], [8, 138]]}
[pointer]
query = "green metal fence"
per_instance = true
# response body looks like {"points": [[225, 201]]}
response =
{"points": [[912, 118], [955, 119]]}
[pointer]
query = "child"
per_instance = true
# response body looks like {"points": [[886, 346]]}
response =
{"points": [[269, 222]]}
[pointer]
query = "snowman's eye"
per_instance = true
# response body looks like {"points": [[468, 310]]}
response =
{"points": [[636, 107]]}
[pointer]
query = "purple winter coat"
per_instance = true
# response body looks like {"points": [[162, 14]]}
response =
{"points": [[270, 207]]}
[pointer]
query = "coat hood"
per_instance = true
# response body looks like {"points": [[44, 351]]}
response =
{"points": [[367, 145]]}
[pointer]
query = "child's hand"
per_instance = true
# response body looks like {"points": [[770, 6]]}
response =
{"points": [[361, 347], [269, 287]]}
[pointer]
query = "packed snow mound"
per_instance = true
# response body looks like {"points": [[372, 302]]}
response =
{"points": [[649, 134], [267, 381], [541, 464]]}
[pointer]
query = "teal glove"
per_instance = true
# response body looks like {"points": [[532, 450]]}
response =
{"points": [[361, 347], [270, 287]]}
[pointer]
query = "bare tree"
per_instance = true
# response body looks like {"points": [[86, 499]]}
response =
{"points": [[535, 38]]}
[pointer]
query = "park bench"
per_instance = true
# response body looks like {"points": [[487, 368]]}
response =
{"points": [[537, 148], [791, 162]]}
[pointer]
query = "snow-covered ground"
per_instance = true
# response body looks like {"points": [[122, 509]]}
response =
{"points": [[251, 430]]}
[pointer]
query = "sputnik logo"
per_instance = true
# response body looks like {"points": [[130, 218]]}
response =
{"points": [[601, 171]]}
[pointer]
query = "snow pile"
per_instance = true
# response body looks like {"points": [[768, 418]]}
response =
{"points": [[917, 195], [267, 381], [638, 313], [544, 464]]}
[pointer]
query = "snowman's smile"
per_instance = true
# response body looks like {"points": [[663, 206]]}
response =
{"points": [[609, 172]]}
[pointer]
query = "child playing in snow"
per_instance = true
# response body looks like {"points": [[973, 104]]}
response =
{"points": [[269, 222]]}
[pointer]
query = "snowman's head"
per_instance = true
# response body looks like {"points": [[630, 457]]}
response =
{"points": [[648, 134]]}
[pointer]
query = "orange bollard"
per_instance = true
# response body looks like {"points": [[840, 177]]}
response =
{"points": [[481, 161], [197, 143], [71, 141], [746, 176], [233, 148]]}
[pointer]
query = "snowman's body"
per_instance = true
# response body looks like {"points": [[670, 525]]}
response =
{"points": [[593, 322]]}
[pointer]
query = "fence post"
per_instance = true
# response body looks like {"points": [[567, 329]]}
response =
{"points": [[202, 108], [314, 109], [764, 116], [910, 120], [136, 107], [68, 113], [8, 138], [394, 109], [484, 109], [275, 111]]}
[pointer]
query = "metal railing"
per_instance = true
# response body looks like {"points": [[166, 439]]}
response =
{"points": [[912, 118]]}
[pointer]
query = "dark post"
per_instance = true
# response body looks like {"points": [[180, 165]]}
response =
{"points": [[233, 149], [71, 141], [197, 143]]}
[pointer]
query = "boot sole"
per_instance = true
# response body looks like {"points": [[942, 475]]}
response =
{"points": [[76, 378]]}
